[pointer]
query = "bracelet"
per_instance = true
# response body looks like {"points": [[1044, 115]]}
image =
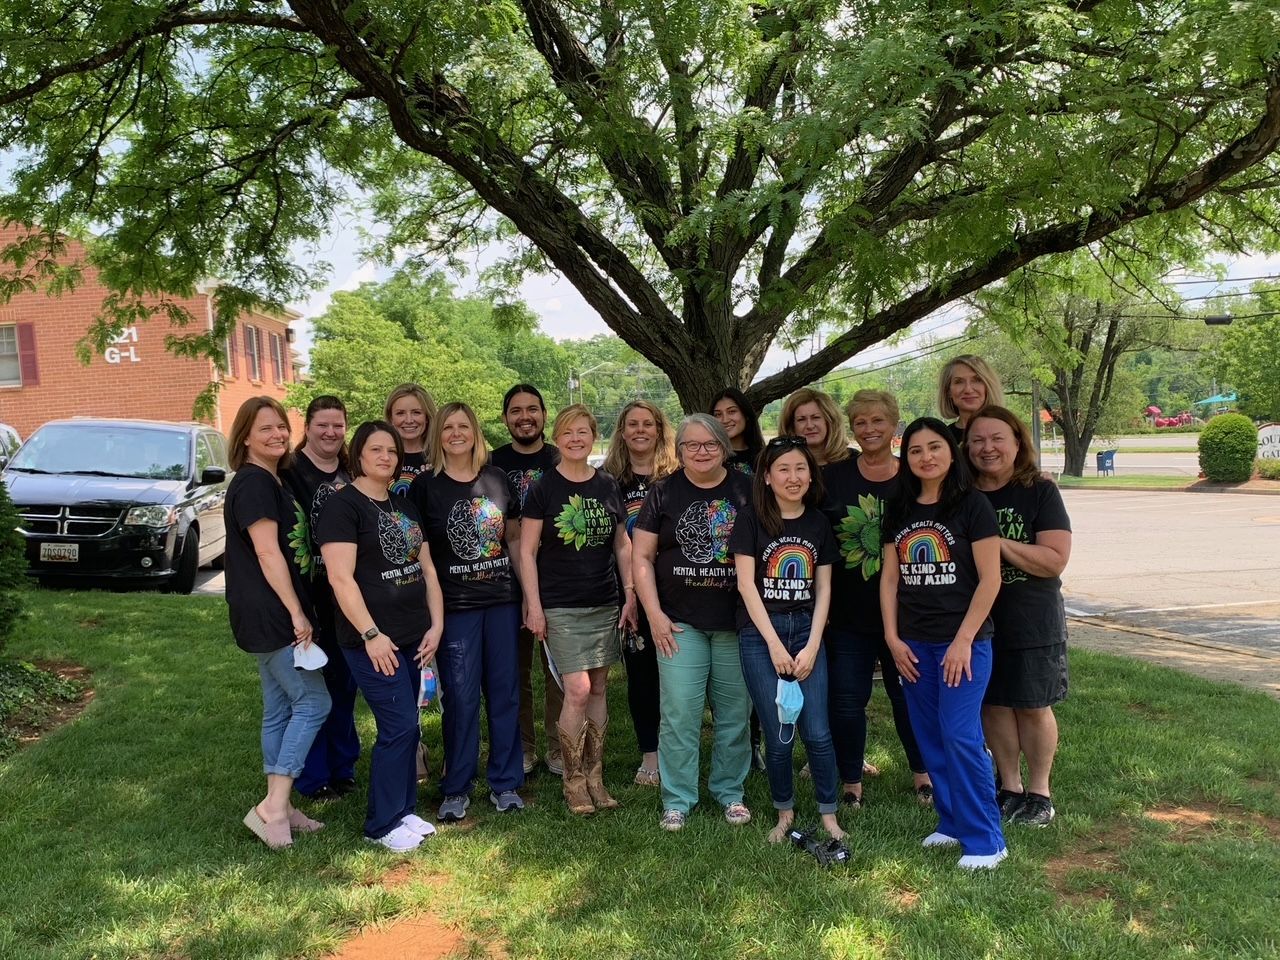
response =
{"points": [[628, 586]]}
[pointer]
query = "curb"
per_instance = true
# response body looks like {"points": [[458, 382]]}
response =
{"points": [[1187, 640], [1186, 489]]}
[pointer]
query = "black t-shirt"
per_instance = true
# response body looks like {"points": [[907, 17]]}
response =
{"points": [[525, 469], [312, 488], [855, 508], [259, 620], [786, 564], [937, 576], [465, 525], [633, 496], [744, 461], [576, 564], [411, 465], [694, 568], [388, 538], [1028, 611], [957, 432]]}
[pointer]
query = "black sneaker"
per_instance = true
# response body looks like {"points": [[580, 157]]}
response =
{"points": [[1036, 811], [1009, 803]]}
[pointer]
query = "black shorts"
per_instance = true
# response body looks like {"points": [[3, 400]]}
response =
{"points": [[1028, 678]]}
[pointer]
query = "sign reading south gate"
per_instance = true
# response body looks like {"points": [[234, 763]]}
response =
{"points": [[1269, 441]]}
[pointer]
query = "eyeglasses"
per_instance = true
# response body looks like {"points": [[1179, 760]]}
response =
{"points": [[693, 446], [796, 443]]}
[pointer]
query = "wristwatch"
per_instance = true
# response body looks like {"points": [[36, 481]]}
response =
{"points": [[370, 634]]}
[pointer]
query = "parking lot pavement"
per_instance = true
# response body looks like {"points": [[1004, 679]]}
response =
{"points": [[1197, 565], [209, 582]]}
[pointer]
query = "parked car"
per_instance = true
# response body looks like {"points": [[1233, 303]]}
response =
{"points": [[9, 444], [121, 500]]}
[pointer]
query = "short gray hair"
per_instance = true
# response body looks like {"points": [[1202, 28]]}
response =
{"points": [[712, 426]]}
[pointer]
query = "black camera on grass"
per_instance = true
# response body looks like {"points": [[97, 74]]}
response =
{"points": [[825, 852]]}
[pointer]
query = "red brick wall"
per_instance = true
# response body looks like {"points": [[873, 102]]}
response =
{"points": [[144, 381]]}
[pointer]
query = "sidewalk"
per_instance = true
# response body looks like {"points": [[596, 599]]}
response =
{"points": [[1249, 668]]}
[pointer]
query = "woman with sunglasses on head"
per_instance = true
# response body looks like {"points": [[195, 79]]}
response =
{"points": [[939, 577], [685, 579], [966, 384], [390, 618], [318, 470], [641, 452], [410, 410], [738, 417], [783, 549], [856, 492]]}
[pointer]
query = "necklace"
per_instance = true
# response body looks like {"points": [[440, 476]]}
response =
{"points": [[378, 504]]}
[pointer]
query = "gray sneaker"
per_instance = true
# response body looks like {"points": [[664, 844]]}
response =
{"points": [[506, 801], [454, 808]]}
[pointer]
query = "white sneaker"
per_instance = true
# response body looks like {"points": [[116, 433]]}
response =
{"points": [[401, 840], [419, 826], [939, 840], [971, 862]]}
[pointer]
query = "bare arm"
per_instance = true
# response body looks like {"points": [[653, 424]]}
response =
{"points": [[264, 534], [956, 662], [530, 535], [622, 556], [1047, 557], [903, 658], [340, 562], [435, 607], [511, 537], [745, 565]]}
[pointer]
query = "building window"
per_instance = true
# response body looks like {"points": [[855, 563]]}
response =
{"points": [[277, 357], [229, 356], [251, 354], [10, 363]]}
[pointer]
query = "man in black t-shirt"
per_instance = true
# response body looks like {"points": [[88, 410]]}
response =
{"points": [[525, 459]]}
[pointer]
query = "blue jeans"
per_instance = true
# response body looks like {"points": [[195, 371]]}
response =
{"points": [[337, 746], [393, 768], [294, 705], [948, 725], [851, 663], [812, 727]]}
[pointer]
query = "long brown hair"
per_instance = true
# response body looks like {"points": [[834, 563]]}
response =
{"points": [[617, 461], [762, 498], [836, 446], [241, 427], [1026, 471]]}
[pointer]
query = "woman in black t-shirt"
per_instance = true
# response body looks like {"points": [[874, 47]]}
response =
{"points": [[1029, 673], [410, 411], [471, 511], [783, 550], [318, 470], [268, 557], [641, 452], [389, 621], [573, 543], [813, 415], [684, 575], [940, 574], [738, 417], [857, 489]]}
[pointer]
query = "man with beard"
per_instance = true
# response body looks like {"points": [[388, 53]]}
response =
{"points": [[525, 459]]}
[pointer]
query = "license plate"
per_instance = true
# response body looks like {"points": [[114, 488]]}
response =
{"points": [[60, 552]]}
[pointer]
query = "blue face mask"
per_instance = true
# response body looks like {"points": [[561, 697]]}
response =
{"points": [[790, 699]]}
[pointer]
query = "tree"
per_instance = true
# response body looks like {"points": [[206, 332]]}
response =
{"points": [[1247, 358], [13, 566], [709, 174]]}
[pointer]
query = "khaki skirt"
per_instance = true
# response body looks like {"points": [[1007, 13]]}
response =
{"points": [[582, 638]]}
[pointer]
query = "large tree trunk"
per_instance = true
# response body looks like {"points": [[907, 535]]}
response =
{"points": [[1075, 450]]}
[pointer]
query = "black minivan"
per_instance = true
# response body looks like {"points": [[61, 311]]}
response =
{"points": [[121, 500]]}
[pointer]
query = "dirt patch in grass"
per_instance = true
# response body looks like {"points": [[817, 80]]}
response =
{"points": [[1099, 853], [1197, 820], [904, 900], [32, 721], [421, 937]]}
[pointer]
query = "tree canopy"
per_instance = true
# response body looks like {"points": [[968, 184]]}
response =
{"points": [[709, 174], [1247, 358]]}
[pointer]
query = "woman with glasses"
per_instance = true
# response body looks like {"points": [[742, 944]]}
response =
{"points": [[684, 575]]}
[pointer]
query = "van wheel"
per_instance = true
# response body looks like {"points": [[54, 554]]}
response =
{"points": [[184, 581]]}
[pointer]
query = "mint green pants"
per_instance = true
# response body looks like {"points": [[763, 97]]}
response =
{"points": [[705, 661]]}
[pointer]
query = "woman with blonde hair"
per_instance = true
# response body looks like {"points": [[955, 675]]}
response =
{"points": [[410, 410], [813, 415], [641, 452], [965, 385]]}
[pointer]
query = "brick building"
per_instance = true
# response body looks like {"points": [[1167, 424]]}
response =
{"points": [[42, 379]]}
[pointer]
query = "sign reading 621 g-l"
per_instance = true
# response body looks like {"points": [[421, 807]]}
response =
{"points": [[124, 347]]}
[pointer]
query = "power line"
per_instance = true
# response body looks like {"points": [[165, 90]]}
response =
{"points": [[921, 353]]}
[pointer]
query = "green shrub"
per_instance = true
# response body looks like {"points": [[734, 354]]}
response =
{"points": [[1268, 469], [13, 566], [1228, 447]]}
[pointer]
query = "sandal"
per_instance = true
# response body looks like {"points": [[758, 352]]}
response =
{"points": [[924, 794], [302, 823], [274, 835], [672, 820], [851, 799], [646, 777], [737, 814]]}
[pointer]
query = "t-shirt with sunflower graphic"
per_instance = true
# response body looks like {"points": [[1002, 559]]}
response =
{"points": [[259, 620], [389, 547], [576, 565], [855, 506]]}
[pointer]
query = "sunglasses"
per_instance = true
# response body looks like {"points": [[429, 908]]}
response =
{"points": [[790, 443]]}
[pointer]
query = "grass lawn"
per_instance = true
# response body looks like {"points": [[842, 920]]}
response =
{"points": [[1127, 481], [122, 838]]}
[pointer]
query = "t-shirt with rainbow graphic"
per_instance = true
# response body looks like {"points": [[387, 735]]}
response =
{"points": [[787, 563], [937, 576]]}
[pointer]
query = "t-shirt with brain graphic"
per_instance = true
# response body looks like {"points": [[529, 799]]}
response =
{"points": [[1028, 611], [388, 538], [694, 567], [855, 507], [937, 575], [576, 564], [465, 524], [787, 563], [525, 469]]}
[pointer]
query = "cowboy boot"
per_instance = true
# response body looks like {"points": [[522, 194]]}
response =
{"points": [[593, 763], [575, 781]]}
